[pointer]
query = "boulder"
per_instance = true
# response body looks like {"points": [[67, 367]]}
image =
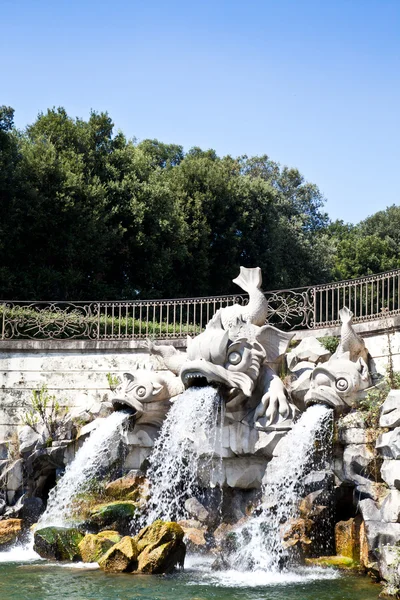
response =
{"points": [[161, 547], [370, 510], [389, 567], [391, 507], [121, 557], [347, 538], [340, 562], [196, 510], [357, 435], [390, 472], [58, 543], [195, 535], [388, 444], [29, 439], [92, 547], [10, 530], [310, 350], [390, 411], [360, 464], [131, 487], [114, 515], [380, 534]]}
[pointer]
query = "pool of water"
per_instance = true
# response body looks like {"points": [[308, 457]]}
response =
{"points": [[31, 579]]}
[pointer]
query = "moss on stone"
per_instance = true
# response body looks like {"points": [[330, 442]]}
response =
{"points": [[58, 543], [114, 514], [122, 557], [93, 546], [340, 562]]}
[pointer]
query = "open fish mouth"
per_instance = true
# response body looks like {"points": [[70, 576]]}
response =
{"points": [[326, 396], [201, 372], [125, 404]]}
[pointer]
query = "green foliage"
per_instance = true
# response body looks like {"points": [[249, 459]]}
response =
{"points": [[113, 381], [371, 405], [45, 410], [86, 213], [330, 343]]}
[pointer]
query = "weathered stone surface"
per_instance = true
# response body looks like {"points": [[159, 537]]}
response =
{"points": [[58, 543], [196, 510], [380, 534], [347, 538], [29, 439], [122, 557], [161, 547], [131, 487], [356, 435], [360, 464], [115, 515], [370, 510], [92, 547], [390, 411], [301, 385], [309, 349], [389, 565], [10, 530], [340, 562], [244, 473], [388, 444], [31, 509], [195, 535], [391, 507], [390, 471]]}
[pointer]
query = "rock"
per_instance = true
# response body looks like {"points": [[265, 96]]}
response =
{"points": [[14, 477], [380, 534], [122, 557], [347, 538], [310, 350], [352, 420], [115, 515], [30, 439], [356, 435], [31, 509], [390, 509], [390, 411], [92, 547], [297, 532], [10, 530], [86, 429], [301, 385], [58, 543], [4, 450], [195, 535], [340, 562], [390, 472], [134, 487], [244, 472], [370, 510], [160, 547], [388, 444], [197, 510], [389, 565], [360, 465]]}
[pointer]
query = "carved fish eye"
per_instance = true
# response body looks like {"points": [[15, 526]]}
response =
{"points": [[342, 384], [235, 358], [141, 391]]}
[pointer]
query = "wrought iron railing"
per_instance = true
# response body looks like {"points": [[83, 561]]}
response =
{"points": [[299, 308]]}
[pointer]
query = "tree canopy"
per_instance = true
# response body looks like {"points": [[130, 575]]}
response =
{"points": [[87, 214]]}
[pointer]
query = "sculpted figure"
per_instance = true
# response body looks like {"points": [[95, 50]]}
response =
{"points": [[339, 382], [147, 393]]}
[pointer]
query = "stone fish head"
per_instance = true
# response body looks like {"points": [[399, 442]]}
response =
{"points": [[338, 383]]}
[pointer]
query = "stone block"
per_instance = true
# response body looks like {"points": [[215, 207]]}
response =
{"points": [[390, 411], [390, 471], [310, 350], [388, 444], [391, 507]]}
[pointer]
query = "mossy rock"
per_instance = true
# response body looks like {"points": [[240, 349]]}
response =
{"points": [[10, 530], [58, 543], [114, 515], [122, 557], [161, 547], [340, 562], [93, 546], [128, 488]]}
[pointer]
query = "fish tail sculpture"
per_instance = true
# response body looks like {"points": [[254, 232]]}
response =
{"points": [[350, 341], [256, 311]]}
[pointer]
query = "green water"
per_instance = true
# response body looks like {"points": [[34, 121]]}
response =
{"points": [[46, 581]]}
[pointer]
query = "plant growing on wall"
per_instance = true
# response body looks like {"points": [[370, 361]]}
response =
{"points": [[45, 412], [113, 381]]}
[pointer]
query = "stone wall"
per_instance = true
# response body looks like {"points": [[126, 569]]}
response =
{"points": [[75, 372]]}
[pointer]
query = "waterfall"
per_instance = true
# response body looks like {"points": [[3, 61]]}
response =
{"points": [[96, 453], [258, 543], [189, 437]]}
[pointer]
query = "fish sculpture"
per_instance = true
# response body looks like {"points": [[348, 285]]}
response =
{"points": [[256, 311], [350, 341]]}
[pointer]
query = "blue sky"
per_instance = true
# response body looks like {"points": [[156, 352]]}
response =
{"points": [[313, 84]]}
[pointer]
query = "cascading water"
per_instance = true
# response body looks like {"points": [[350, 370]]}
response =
{"points": [[190, 435], [259, 543], [95, 454]]}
